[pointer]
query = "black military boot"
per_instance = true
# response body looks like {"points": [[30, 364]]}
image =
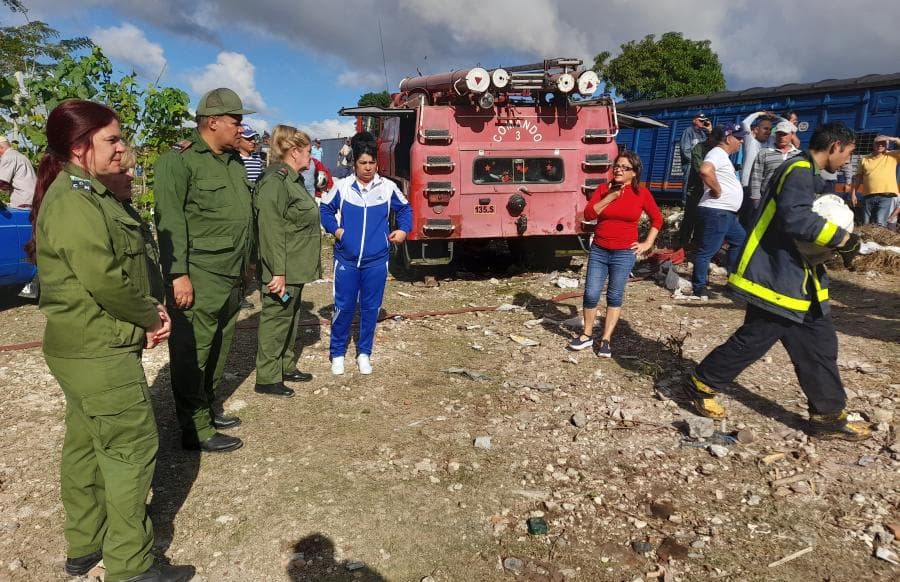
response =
{"points": [[164, 573], [277, 389], [84, 564]]}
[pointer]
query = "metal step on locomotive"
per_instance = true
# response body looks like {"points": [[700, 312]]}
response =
{"points": [[511, 153]]}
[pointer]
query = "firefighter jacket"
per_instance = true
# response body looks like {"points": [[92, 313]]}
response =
{"points": [[771, 272]]}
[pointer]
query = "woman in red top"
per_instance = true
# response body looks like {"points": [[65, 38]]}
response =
{"points": [[617, 209]]}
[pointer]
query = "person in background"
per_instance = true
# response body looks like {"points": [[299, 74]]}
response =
{"points": [[787, 298], [356, 211], [877, 176], [100, 316], [769, 159], [687, 229], [717, 212], [316, 179], [120, 184], [794, 118], [17, 173], [316, 150], [344, 160], [253, 164], [617, 208], [691, 136], [290, 248]]}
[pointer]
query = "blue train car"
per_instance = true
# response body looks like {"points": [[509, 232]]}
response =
{"points": [[870, 105]]}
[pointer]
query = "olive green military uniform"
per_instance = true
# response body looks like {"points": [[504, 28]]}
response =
{"points": [[157, 285], [204, 222], [290, 244], [95, 293]]}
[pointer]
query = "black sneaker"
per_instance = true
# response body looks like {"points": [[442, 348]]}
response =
{"points": [[604, 351], [581, 342]]}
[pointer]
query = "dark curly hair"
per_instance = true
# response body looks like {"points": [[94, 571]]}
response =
{"points": [[364, 143]]}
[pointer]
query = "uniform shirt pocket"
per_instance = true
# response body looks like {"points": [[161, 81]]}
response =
{"points": [[209, 194], [212, 244]]}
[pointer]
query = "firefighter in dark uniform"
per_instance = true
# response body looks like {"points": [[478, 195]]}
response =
{"points": [[290, 244], [787, 298], [204, 221], [100, 315]]}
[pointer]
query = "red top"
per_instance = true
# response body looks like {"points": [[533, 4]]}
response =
{"points": [[617, 223]]}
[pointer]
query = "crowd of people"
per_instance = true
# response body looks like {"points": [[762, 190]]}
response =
{"points": [[112, 290]]}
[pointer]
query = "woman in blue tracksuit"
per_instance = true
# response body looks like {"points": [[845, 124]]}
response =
{"points": [[356, 212]]}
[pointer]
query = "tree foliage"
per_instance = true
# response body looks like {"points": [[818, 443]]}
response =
{"points": [[672, 66], [382, 99], [37, 73], [33, 46]]}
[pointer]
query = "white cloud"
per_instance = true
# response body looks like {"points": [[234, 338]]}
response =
{"points": [[234, 71], [368, 80], [328, 128], [759, 42], [127, 44]]}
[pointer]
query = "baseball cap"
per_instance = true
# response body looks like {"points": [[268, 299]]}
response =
{"points": [[735, 129], [4, 139], [221, 101], [702, 116], [248, 132], [785, 127]]}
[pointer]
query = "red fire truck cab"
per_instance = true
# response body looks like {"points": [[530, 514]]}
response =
{"points": [[497, 154]]}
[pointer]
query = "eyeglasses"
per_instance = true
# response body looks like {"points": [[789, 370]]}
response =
{"points": [[623, 168]]}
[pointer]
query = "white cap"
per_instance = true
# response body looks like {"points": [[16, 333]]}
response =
{"points": [[785, 127]]}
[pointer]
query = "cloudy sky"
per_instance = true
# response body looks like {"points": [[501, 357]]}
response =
{"points": [[299, 61]]}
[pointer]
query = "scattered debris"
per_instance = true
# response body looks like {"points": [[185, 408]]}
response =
{"points": [[471, 374], [566, 283], [537, 526], [579, 419], [483, 442], [790, 557], [524, 341]]}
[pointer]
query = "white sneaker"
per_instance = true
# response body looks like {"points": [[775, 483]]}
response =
{"points": [[337, 365], [364, 364]]}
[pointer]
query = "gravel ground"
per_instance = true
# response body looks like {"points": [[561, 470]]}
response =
{"points": [[434, 465]]}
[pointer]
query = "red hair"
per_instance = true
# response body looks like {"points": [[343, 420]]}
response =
{"points": [[72, 124]]}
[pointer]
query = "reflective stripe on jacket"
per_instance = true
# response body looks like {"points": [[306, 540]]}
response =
{"points": [[771, 273]]}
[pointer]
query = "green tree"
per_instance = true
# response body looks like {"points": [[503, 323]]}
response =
{"points": [[33, 46], [673, 66], [382, 99]]}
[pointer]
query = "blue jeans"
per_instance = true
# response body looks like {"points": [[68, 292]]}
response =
{"points": [[877, 209], [602, 263], [716, 226]]}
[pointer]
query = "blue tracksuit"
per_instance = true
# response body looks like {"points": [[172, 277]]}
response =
{"points": [[361, 256]]}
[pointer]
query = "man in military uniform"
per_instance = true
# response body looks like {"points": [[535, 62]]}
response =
{"points": [[204, 219]]}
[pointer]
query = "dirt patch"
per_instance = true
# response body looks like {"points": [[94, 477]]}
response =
{"points": [[379, 478]]}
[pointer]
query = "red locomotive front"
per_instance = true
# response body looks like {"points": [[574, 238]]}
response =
{"points": [[507, 153]]}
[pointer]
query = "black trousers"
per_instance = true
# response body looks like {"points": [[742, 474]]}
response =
{"points": [[811, 345]]}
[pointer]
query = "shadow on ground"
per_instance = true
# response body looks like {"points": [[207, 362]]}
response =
{"points": [[313, 560]]}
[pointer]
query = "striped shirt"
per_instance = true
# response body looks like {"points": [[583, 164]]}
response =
{"points": [[253, 165], [767, 161]]}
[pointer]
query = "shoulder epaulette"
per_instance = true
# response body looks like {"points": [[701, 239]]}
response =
{"points": [[182, 145], [282, 172], [80, 183]]}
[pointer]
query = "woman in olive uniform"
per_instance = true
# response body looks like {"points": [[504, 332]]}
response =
{"points": [[96, 298], [290, 243]]}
